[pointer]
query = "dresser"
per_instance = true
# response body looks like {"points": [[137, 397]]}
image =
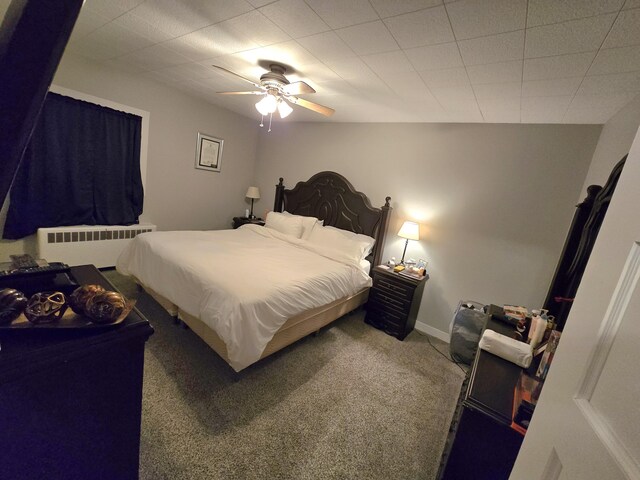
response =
{"points": [[482, 445], [394, 301], [71, 400]]}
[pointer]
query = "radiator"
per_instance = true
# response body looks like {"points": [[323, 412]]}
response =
{"points": [[95, 244]]}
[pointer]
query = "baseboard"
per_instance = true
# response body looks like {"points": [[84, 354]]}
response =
{"points": [[434, 332]]}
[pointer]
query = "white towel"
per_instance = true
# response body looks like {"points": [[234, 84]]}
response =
{"points": [[510, 349]]}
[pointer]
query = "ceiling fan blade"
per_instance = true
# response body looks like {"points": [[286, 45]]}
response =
{"points": [[239, 76], [298, 88], [253, 92], [316, 107]]}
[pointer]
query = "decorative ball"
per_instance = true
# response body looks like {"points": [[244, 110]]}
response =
{"points": [[106, 307], [80, 297], [12, 303], [45, 307]]}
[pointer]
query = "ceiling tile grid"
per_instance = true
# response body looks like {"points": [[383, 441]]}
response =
{"points": [[514, 61]]}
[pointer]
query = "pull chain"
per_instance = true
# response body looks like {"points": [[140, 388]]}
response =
{"points": [[262, 120], [270, 117]]}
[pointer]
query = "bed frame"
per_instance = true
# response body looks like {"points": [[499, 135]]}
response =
{"points": [[330, 197]]}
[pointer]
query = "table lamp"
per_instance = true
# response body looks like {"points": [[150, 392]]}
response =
{"points": [[410, 231], [253, 193]]}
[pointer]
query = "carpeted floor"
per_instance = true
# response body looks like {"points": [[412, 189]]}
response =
{"points": [[349, 403]]}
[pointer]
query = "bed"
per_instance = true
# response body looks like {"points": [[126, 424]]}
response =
{"points": [[252, 291]]}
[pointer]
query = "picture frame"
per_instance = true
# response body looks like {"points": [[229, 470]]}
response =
{"points": [[209, 152]]}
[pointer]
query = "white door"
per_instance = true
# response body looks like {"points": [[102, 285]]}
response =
{"points": [[587, 422]]}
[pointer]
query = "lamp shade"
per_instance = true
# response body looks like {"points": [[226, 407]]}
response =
{"points": [[253, 192], [410, 231], [267, 105]]}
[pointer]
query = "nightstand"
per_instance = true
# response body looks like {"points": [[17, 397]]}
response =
{"points": [[239, 221], [394, 301]]}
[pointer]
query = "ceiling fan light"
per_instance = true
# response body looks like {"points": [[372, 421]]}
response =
{"points": [[284, 109], [267, 105]]}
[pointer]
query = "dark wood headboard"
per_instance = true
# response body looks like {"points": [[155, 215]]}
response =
{"points": [[331, 197]]}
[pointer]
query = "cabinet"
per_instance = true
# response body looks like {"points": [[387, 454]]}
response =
{"points": [[71, 400], [239, 221], [481, 443], [394, 301]]}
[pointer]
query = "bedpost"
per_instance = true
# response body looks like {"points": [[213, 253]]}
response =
{"points": [[382, 230], [277, 205]]}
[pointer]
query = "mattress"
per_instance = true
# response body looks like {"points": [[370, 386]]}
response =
{"points": [[244, 283]]}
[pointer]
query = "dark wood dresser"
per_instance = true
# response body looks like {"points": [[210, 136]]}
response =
{"points": [[481, 444], [70, 401], [394, 301]]}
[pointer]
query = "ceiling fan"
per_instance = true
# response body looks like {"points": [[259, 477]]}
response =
{"points": [[277, 91]]}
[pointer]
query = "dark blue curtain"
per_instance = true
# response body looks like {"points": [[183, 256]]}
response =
{"points": [[82, 167]]}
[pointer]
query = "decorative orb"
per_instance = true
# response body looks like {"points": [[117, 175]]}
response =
{"points": [[12, 303], [80, 297], [106, 307], [46, 307]]}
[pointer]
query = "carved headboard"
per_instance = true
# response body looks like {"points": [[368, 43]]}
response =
{"points": [[331, 197]]}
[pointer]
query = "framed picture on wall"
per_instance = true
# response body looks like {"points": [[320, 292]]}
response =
{"points": [[209, 152]]}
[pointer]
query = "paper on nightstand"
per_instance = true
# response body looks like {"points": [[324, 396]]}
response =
{"points": [[510, 349]]}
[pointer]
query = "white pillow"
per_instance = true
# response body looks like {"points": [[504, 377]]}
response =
{"points": [[284, 224], [307, 223], [354, 245]]}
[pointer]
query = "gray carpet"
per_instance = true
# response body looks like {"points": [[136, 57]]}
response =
{"points": [[349, 403]]}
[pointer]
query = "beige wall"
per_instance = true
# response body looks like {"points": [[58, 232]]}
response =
{"points": [[494, 201], [614, 143], [177, 196]]}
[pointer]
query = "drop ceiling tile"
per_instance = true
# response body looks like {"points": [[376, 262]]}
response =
{"points": [[123, 64], [369, 85], [616, 60], [115, 40], [389, 8], [141, 26], [493, 49], [409, 85], [573, 65], [595, 108], [254, 27], [496, 72], [190, 70], [426, 27], [569, 37], [349, 68], [465, 116], [179, 18], [456, 98], [629, 4], [338, 13], [610, 84], [290, 53], [477, 18], [544, 109], [87, 22], [153, 58], [314, 74], [497, 110], [490, 91], [326, 46], [388, 62], [210, 42], [448, 77], [93, 50], [542, 12], [551, 87], [434, 57], [368, 38], [260, 3], [625, 30], [109, 9], [294, 17]]}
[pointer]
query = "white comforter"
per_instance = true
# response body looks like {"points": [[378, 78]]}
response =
{"points": [[242, 283]]}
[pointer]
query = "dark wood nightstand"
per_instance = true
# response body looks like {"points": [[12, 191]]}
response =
{"points": [[239, 221], [394, 301]]}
